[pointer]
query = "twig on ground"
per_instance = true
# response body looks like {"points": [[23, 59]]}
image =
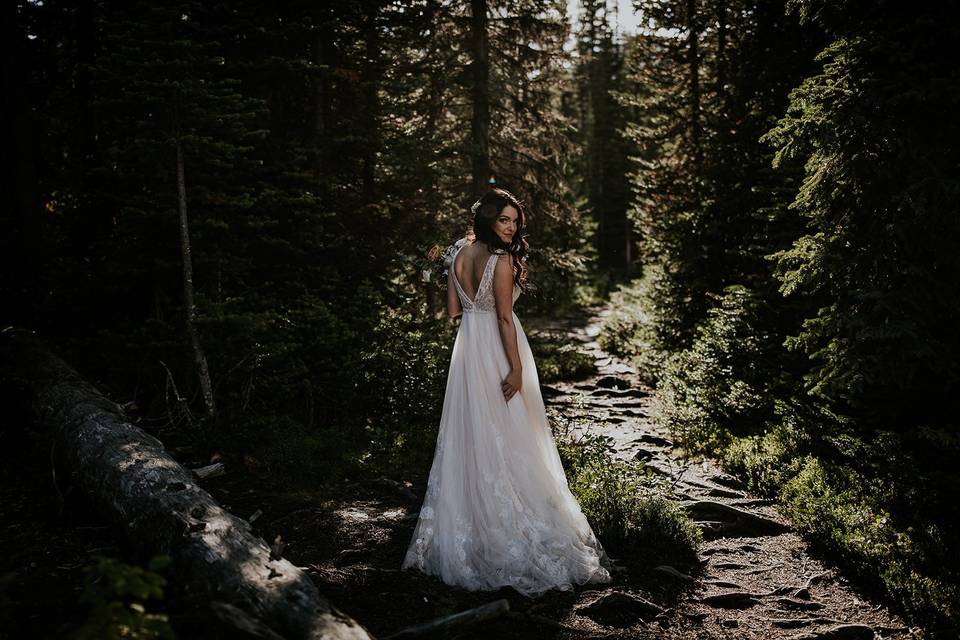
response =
{"points": [[485, 612]]}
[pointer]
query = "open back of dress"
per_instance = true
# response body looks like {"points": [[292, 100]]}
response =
{"points": [[483, 299], [498, 511]]}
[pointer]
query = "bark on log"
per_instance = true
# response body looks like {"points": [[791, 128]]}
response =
{"points": [[159, 508]]}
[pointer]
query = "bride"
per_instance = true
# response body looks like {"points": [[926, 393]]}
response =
{"points": [[498, 511]]}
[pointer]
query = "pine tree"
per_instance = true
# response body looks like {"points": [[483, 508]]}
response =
{"points": [[463, 125], [736, 370], [879, 253], [178, 128], [664, 73], [602, 173]]}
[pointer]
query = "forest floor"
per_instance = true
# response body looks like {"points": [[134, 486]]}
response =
{"points": [[756, 577]]}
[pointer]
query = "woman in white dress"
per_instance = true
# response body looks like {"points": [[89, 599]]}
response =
{"points": [[498, 511]]}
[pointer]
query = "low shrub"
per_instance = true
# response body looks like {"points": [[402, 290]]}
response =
{"points": [[641, 329], [880, 501], [401, 390], [557, 360], [833, 505], [118, 595], [631, 511]]}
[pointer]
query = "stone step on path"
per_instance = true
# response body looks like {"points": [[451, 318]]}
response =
{"points": [[758, 578]]}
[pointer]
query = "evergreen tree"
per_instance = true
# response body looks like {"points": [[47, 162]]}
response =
{"points": [[602, 172], [175, 118], [879, 253], [324, 146], [664, 70], [503, 122], [737, 354]]}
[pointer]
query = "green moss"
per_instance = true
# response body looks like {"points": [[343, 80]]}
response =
{"points": [[828, 504]]}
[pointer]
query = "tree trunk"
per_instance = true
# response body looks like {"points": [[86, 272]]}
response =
{"points": [[198, 356], [480, 125], [322, 106], [693, 60], [157, 506], [456, 621], [721, 46], [371, 84]]}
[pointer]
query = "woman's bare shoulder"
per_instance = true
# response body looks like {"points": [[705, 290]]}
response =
{"points": [[504, 261], [476, 249]]}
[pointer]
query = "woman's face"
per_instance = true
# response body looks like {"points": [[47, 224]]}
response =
{"points": [[506, 224]]}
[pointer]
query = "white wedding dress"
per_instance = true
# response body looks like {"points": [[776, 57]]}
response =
{"points": [[498, 511]]}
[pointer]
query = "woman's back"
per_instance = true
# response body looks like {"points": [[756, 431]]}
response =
{"points": [[473, 267], [471, 261]]}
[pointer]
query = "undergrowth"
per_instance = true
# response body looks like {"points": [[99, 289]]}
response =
{"points": [[632, 511], [880, 501]]}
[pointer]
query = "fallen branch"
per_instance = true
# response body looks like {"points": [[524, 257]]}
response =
{"points": [[210, 471], [470, 616], [526, 616]]}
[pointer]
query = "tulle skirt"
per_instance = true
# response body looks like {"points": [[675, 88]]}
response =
{"points": [[498, 511]]}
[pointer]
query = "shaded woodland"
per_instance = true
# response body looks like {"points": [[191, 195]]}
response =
{"points": [[226, 216]]}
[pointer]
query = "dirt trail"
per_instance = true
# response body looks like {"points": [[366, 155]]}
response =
{"points": [[758, 578]]}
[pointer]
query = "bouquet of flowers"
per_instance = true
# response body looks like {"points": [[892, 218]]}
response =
{"points": [[437, 261]]}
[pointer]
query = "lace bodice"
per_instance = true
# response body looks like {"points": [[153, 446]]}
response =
{"points": [[483, 300]]}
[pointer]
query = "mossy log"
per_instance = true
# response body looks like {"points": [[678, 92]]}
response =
{"points": [[157, 506]]}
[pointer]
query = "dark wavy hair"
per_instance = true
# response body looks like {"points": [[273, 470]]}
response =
{"points": [[491, 204]]}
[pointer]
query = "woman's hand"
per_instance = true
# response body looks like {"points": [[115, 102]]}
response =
{"points": [[512, 383]]}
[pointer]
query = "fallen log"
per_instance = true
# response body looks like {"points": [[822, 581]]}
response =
{"points": [[158, 507]]}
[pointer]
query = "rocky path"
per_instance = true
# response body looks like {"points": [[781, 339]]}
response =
{"points": [[758, 578]]}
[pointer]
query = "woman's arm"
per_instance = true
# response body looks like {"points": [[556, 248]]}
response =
{"points": [[503, 301], [454, 308]]}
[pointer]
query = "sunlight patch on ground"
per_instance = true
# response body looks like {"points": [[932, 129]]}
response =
{"points": [[352, 514]]}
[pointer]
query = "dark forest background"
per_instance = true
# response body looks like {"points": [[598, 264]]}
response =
{"points": [[222, 214]]}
